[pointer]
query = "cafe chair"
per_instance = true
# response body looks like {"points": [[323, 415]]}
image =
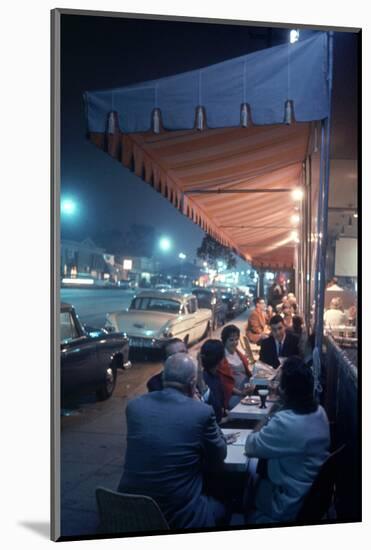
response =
{"points": [[251, 350], [318, 500], [126, 513]]}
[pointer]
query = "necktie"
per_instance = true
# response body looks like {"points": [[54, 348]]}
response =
{"points": [[280, 349]]}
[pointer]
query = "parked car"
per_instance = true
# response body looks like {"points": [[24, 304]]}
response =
{"points": [[156, 316], [244, 301], [89, 357], [163, 286], [210, 298], [231, 299]]}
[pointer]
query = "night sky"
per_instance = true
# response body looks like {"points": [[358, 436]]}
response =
{"points": [[102, 52]]}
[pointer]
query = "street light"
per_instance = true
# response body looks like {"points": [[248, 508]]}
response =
{"points": [[182, 256], [165, 244], [68, 207]]}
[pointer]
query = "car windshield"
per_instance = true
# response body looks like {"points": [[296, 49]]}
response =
{"points": [[155, 304]]}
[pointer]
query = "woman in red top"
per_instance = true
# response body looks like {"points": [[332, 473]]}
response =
{"points": [[234, 370]]}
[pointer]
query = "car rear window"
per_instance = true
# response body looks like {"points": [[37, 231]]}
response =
{"points": [[68, 329], [155, 304]]}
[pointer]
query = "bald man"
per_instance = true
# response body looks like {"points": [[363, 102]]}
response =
{"points": [[171, 438]]}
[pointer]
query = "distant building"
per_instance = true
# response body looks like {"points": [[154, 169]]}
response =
{"points": [[139, 269], [84, 258]]}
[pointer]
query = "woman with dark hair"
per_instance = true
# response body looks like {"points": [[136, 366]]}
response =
{"points": [[294, 443], [211, 355], [234, 369]]}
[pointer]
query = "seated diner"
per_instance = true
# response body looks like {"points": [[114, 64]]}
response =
{"points": [[292, 445], [234, 370]]}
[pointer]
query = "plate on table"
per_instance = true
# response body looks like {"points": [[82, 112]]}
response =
{"points": [[254, 401]]}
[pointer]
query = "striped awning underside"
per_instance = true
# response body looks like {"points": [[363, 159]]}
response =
{"points": [[182, 165]]}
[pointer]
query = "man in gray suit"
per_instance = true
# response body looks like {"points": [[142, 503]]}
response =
{"points": [[171, 439]]}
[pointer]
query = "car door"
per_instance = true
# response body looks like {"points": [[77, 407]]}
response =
{"points": [[189, 320], [78, 357], [198, 320]]}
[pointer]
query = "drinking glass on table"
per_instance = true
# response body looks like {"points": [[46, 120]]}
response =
{"points": [[249, 389], [263, 394], [273, 389]]}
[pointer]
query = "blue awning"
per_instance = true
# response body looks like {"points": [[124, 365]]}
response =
{"points": [[263, 80]]}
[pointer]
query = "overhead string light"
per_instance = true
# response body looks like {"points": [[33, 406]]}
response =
{"points": [[156, 114], [289, 115], [200, 118], [200, 111], [156, 120], [244, 114]]}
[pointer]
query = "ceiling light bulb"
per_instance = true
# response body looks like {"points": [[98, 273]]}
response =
{"points": [[294, 235], [294, 36], [297, 194], [295, 219]]}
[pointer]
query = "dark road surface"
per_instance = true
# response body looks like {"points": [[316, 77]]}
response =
{"points": [[92, 304]]}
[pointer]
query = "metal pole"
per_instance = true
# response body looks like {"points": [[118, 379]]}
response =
{"points": [[322, 259], [302, 251], [310, 286], [305, 243], [319, 224]]}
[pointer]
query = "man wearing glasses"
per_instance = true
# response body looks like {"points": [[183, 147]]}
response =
{"points": [[256, 329]]}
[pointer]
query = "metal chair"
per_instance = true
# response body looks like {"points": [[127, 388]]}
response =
{"points": [[318, 500], [251, 350], [126, 513]]}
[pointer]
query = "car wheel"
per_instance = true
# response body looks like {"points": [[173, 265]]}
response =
{"points": [[108, 386]]}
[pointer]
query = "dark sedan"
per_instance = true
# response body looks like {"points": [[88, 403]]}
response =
{"points": [[232, 301], [210, 298], [89, 357]]}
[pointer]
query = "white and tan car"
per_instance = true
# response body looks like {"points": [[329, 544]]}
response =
{"points": [[154, 317]]}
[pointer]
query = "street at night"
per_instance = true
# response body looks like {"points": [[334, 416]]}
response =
{"points": [[92, 305]]}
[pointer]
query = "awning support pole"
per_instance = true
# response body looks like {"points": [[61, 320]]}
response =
{"points": [[319, 226], [323, 241]]}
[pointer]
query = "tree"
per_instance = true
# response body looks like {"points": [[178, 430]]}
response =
{"points": [[211, 251], [140, 240], [112, 240]]}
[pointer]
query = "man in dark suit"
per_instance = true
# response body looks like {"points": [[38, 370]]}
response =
{"points": [[171, 439], [281, 343]]}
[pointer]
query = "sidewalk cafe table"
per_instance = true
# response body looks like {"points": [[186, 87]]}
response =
{"points": [[249, 412], [236, 459]]}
